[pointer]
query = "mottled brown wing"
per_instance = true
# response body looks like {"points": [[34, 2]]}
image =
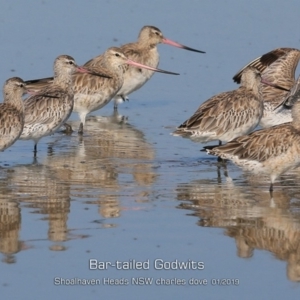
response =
{"points": [[261, 144], [262, 62], [222, 112], [44, 108], [132, 52], [195, 120], [94, 62], [90, 84], [38, 84], [282, 73], [10, 120]]}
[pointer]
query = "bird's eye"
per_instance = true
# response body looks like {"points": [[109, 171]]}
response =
{"points": [[157, 33], [71, 62], [117, 54]]}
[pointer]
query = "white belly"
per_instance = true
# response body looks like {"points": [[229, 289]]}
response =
{"points": [[89, 103], [37, 131], [134, 79], [273, 117]]}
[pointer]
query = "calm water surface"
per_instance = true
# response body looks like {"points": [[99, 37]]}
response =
{"points": [[127, 190]]}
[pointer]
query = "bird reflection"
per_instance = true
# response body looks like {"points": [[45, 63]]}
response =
{"points": [[250, 216], [10, 224], [37, 188], [94, 163]]}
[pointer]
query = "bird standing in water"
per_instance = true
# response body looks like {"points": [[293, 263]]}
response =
{"points": [[11, 112], [272, 151], [229, 114], [46, 111], [92, 92], [143, 51]]}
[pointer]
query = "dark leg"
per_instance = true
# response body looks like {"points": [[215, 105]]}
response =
{"points": [[219, 174], [50, 150], [225, 168], [80, 130], [124, 98], [69, 129], [219, 158], [271, 190], [80, 138], [223, 163], [35, 161], [34, 149]]}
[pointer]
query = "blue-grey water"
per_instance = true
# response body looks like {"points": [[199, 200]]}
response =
{"points": [[128, 195]]}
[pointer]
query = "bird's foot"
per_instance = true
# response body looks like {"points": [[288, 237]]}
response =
{"points": [[68, 129]]}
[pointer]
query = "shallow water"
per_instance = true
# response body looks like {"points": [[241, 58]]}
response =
{"points": [[127, 190]]}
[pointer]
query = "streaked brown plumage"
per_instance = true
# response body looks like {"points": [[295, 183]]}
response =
{"points": [[143, 51], [227, 115], [271, 151], [52, 106], [278, 67], [92, 92], [11, 112]]}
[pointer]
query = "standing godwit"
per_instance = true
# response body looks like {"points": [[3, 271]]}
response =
{"points": [[227, 115], [271, 151], [93, 92], [52, 106], [143, 51], [11, 112], [278, 67]]}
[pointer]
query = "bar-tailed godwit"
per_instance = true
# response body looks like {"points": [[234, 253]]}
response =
{"points": [[46, 111], [11, 112], [143, 51], [271, 151], [93, 92], [227, 115], [277, 66]]}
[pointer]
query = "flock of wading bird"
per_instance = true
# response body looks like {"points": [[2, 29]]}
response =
{"points": [[268, 96]]}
